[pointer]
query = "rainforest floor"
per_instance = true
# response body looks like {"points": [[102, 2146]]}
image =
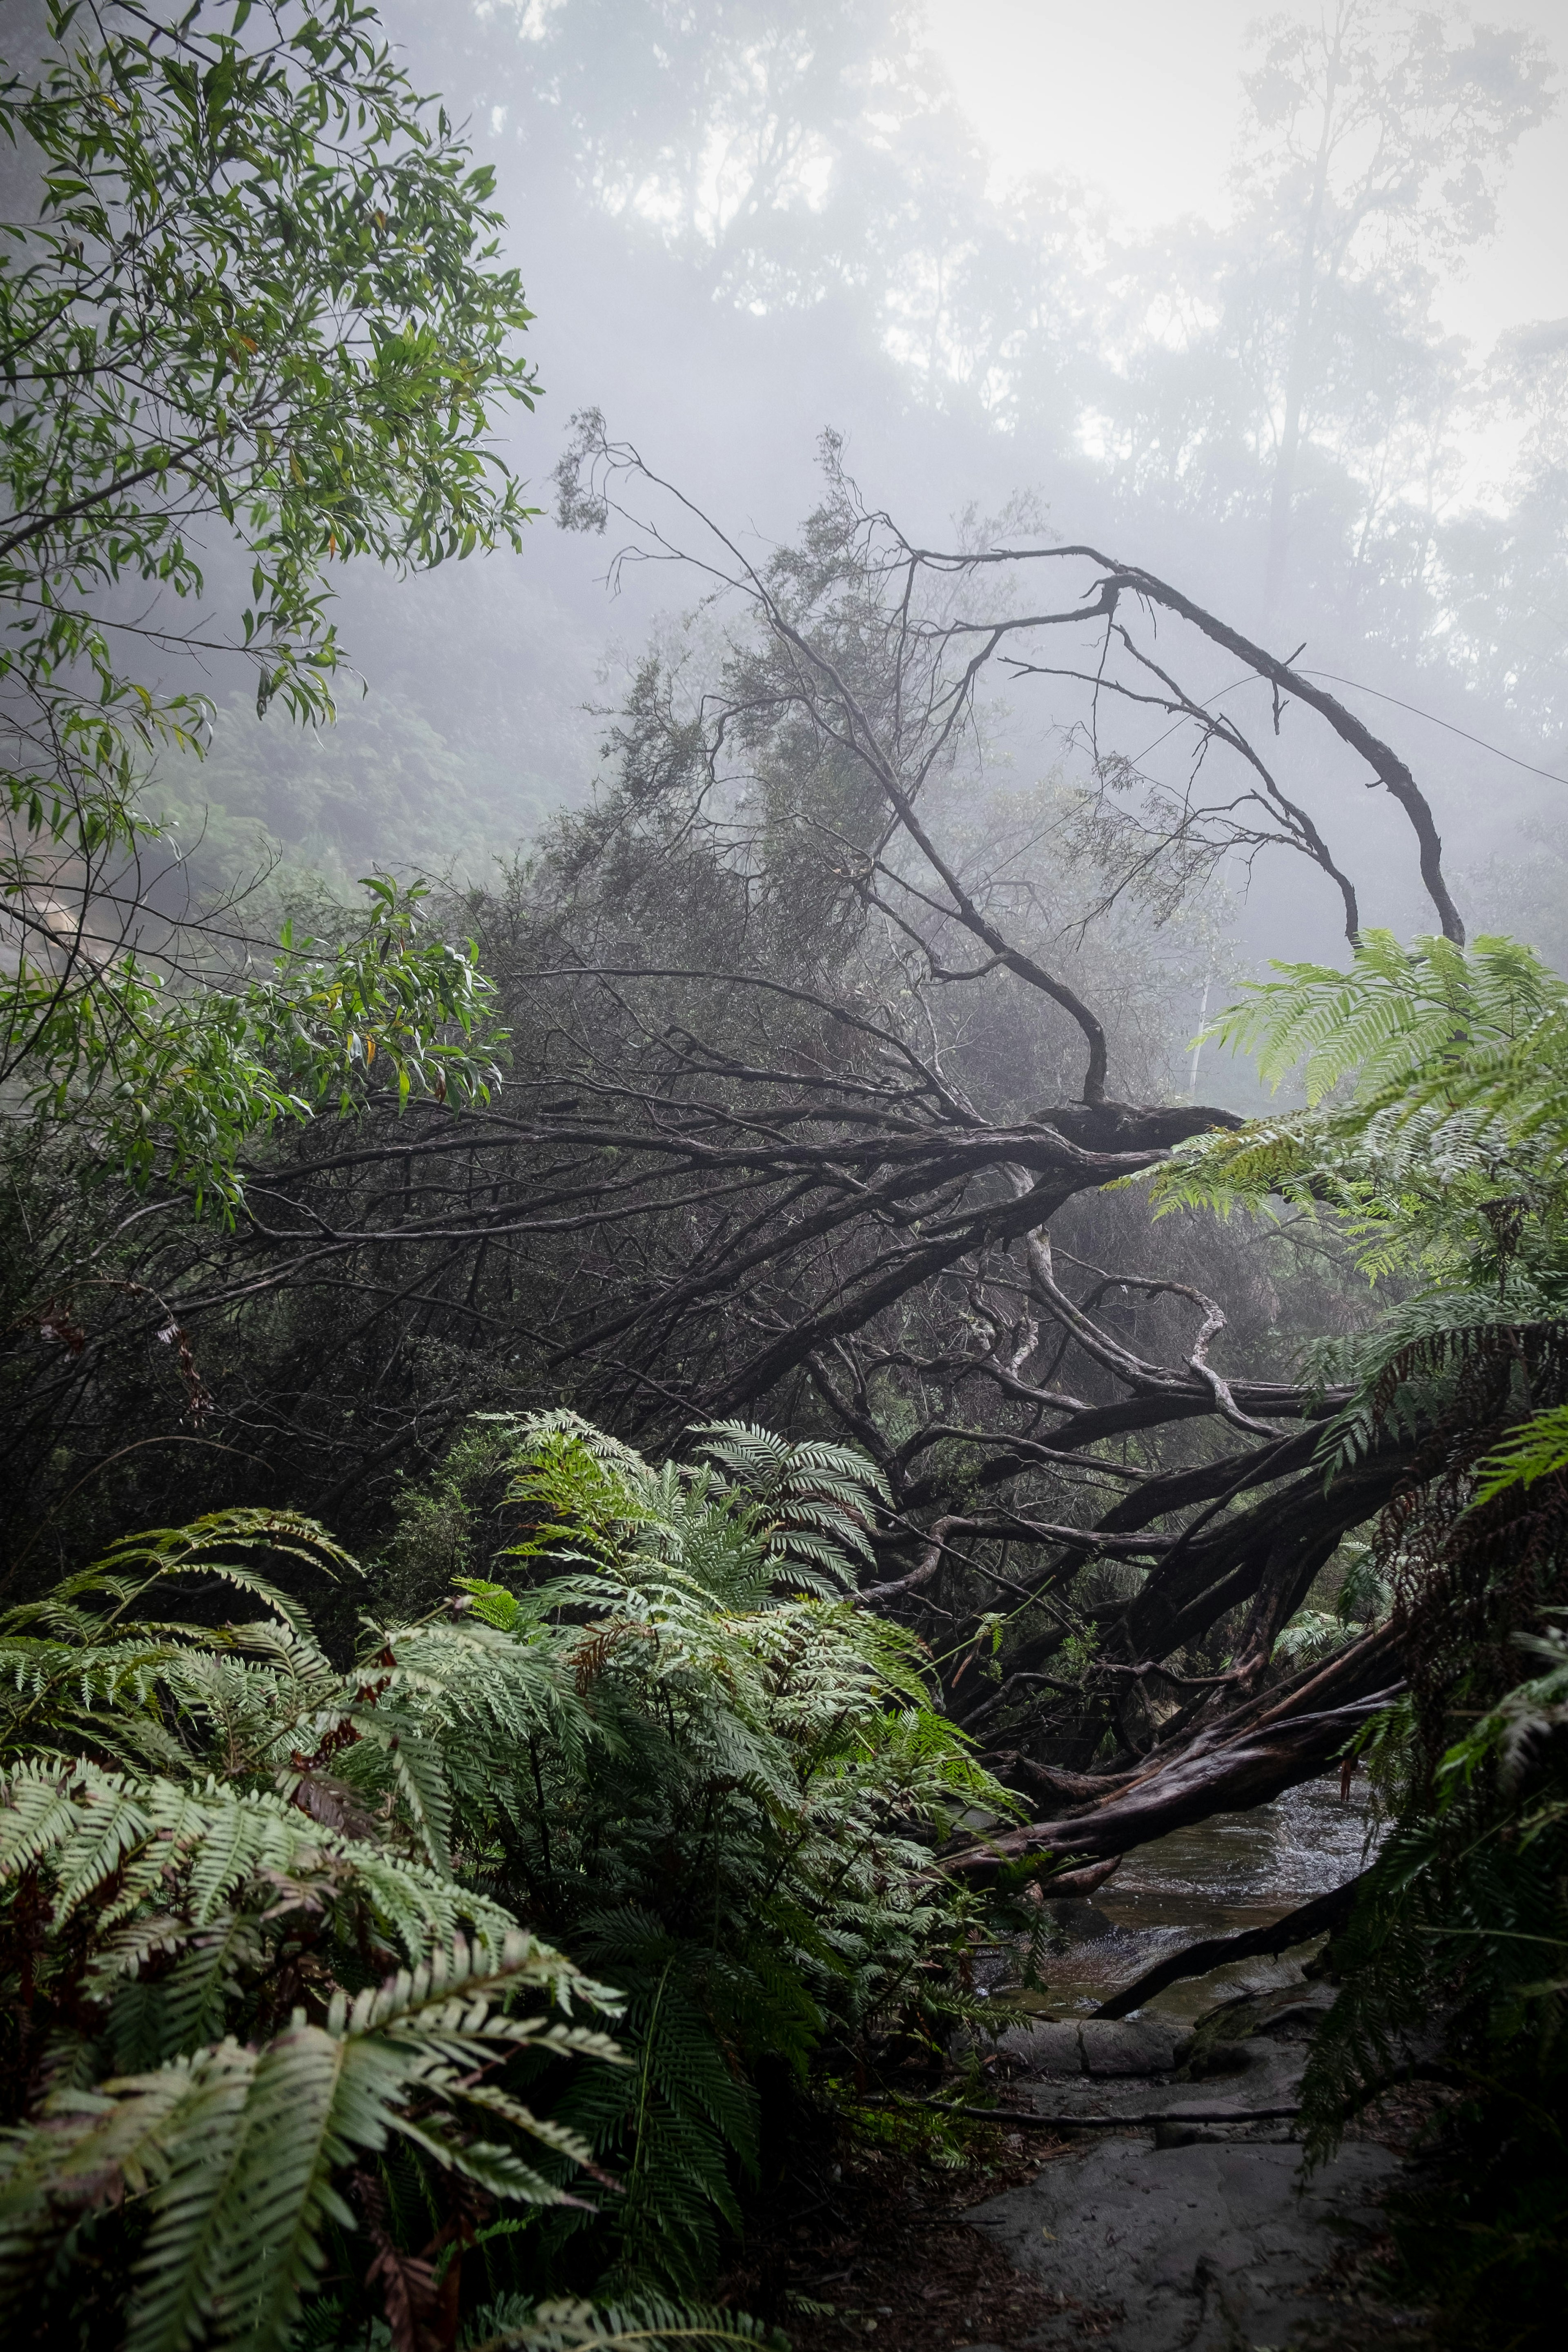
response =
{"points": [[882, 2232], [866, 2245]]}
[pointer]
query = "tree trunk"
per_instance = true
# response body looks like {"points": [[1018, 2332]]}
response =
{"points": [[1254, 1755], [1297, 372]]}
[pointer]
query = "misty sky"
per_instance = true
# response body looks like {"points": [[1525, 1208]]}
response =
{"points": [[1141, 102], [723, 343]]}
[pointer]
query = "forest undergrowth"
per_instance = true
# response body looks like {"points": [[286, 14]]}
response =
{"points": [[607, 1474], [284, 1942]]}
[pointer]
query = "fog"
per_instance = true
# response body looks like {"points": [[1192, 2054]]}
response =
{"points": [[1147, 111], [1011, 250]]}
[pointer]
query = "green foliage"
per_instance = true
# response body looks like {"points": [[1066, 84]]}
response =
{"points": [[237, 1958], [1362, 1599], [1437, 1118], [1429, 1023], [744, 1849], [231, 2152], [1436, 1136], [1436, 1131], [769, 1510], [261, 289], [648, 2321], [261, 292], [281, 1938], [1464, 1919], [173, 1082], [378, 788], [1538, 1449]]}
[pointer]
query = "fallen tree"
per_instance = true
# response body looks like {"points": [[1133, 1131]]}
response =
{"points": [[1309, 1921], [811, 1115], [1247, 1758]]}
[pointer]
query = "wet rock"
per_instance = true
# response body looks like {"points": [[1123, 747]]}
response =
{"points": [[1079, 1921], [995, 1964], [1040, 2047], [1197, 2231], [1180, 2134], [1101, 2047], [1206, 2245], [1289, 2021], [1223, 2041], [1127, 2045], [1216, 2058]]}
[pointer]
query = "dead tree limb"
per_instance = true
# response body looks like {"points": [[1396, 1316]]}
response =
{"points": [[1319, 1918]]}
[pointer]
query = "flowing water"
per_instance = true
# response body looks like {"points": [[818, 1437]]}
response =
{"points": [[1232, 1872]]}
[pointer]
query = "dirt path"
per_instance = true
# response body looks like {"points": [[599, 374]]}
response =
{"points": [[1182, 2232], [1194, 2235]]}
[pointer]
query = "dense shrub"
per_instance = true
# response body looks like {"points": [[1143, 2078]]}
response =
{"points": [[288, 2034]]}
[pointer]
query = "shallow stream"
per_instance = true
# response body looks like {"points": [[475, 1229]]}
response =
{"points": [[1232, 1872]]}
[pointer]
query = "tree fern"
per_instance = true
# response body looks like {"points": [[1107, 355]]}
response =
{"points": [[1537, 1449], [232, 2154], [747, 1851], [1426, 1069], [1436, 1134], [817, 1500], [166, 1920], [1402, 1019], [229, 1866], [642, 2323]]}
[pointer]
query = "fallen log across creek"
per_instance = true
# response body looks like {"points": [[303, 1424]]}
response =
{"points": [[1268, 1745], [1318, 1917]]}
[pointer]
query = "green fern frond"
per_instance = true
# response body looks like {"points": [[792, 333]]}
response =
{"points": [[659, 1723], [235, 2152], [807, 1489], [647, 2324], [83, 1827], [1539, 1449], [200, 1549]]}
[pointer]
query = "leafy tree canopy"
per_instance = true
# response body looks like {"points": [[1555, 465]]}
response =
{"points": [[260, 296]]}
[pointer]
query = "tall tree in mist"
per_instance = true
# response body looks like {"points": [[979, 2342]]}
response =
{"points": [[802, 182], [1373, 153], [776, 152]]}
